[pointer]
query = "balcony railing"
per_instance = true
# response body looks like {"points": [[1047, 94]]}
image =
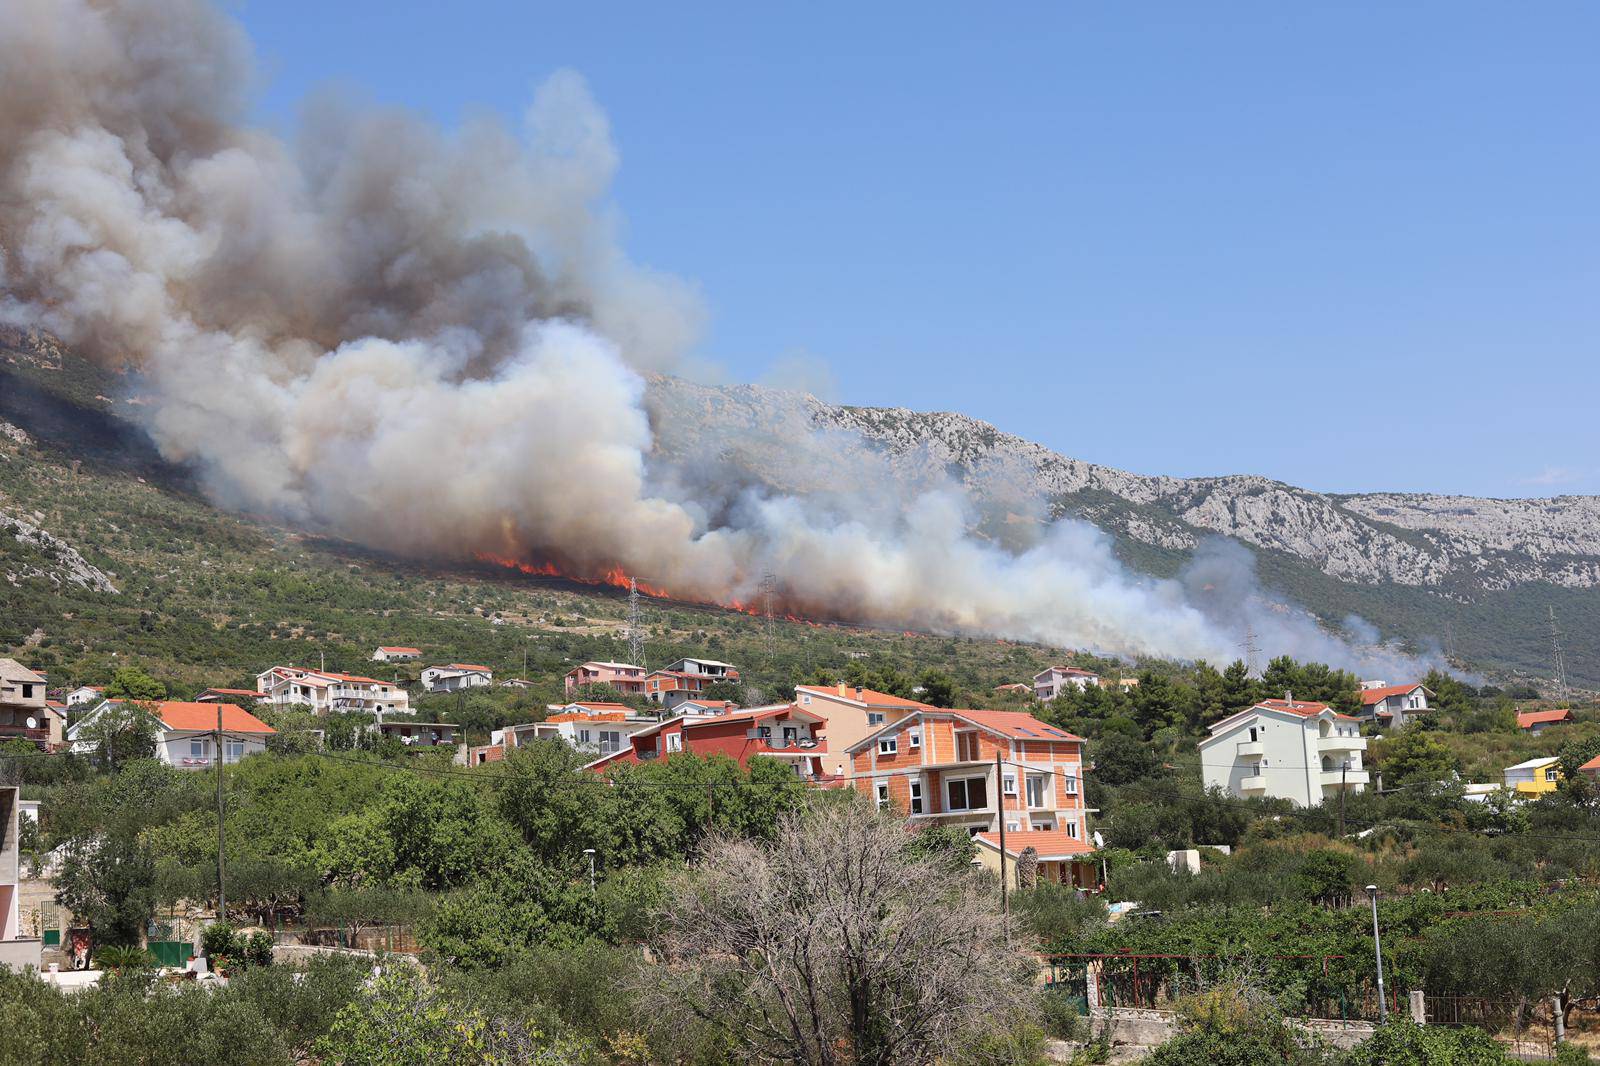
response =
{"points": [[1252, 749], [1253, 784], [1341, 743], [1348, 778], [22, 732]]}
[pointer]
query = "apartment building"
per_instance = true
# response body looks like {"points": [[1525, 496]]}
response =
{"points": [[326, 692], [852, 712], [1291, 749]]}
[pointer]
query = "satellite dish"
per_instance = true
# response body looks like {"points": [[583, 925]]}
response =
{"points": [[33, 723], [1099, 841]]}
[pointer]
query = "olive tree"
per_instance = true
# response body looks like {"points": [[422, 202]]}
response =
{"points": [[839, 941]]}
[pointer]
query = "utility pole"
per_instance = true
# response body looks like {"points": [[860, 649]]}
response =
{"points": [[1344, 770], [1377, 949], [222, 898], [1000, 807]]}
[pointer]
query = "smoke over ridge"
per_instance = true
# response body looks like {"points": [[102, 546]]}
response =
{"points": [[431, 342]]}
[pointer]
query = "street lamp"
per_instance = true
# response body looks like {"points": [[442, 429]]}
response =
{"points": [[1377, 949], [590, 852]]}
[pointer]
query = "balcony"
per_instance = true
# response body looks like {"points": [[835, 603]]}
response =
{"points": [[1252, 749], [1253, 784], [1329, 745], [22, 732], [1347, 778], [792, 748]]}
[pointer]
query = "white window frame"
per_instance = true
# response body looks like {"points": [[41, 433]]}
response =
{"points": [[232, 750], [880, 791], [915, 787], [674, 742], [1043, 781], [888, 746], [915, 737], [1072, 783], [875, 718], [1008, 784], [1072, 829], [199, 747], [966, 793]]}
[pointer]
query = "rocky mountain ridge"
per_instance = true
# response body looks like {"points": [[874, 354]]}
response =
{"points": [[1454, 545]]}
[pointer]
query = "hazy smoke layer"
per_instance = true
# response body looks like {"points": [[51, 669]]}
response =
{"points": [[430, 342]]}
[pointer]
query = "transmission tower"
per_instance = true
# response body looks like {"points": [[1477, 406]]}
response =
{"points": [[1555, 653], [635, 625], [1250, 647], [769, 588]]}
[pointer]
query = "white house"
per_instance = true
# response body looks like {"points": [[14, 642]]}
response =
{"points": [[396, 655], [1048, 684], [326, 692], [1285, 749], [85, 694], [456, 676], [593, 728], [16, 951], [1391, 705], [186, 732]]}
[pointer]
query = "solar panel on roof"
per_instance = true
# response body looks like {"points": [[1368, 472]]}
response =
{"points": [[1056, 733], [1026, 732]]}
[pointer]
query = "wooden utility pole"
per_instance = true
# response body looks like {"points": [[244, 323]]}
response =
{"points": [[222, 899], [1344, 771]]}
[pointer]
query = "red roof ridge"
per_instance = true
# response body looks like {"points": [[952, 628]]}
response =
{"points": [[188, 716]]}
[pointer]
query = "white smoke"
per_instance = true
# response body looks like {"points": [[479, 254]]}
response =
{"points": [[430, 342]]}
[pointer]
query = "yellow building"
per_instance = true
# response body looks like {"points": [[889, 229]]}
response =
{"points": [[1536, 777]]}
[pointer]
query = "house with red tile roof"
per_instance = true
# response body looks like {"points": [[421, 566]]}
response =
{"points": [[975, 769], [624, 677], [782, 731], [396, 654], [852, 712], [1591, 769], [1061, 859], [595, 728], [326, 692], [186, 731], [1537, 722], [685, 680], [454, 677], [1392, 705], [1291, 749]]}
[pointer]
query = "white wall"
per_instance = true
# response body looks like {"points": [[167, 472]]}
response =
{"points": [[173, 748]]}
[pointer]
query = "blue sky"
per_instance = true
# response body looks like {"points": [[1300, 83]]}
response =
{"points": [[1354, 246]]}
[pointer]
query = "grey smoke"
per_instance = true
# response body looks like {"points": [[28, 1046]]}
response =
{"points": [[431, 342]]}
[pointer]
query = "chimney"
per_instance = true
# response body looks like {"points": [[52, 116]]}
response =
{"points": [[1288, 697], [844, 690], [858, 692]]}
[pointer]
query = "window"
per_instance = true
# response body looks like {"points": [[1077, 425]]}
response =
{"points": [[199, 748], [1327, 764], [1009, 786], [883, 795], [674, 741], [610, 741], [1253, 737], [967, 746], [1550, 774], [233, 750], [915, 737], [790, 734], [888, 746], [1072, 785], [1013, 826], [764, 732], [805, 698], [1037, 784], [583, 736], [1072, 830], [916, 797], [874, 717], [967, 794]]}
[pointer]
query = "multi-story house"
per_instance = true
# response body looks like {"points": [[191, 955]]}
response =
{"points": [[456, 676], [783, 731], [1391, 705], [85, 694], [592, 728], [396, 655], [25, 711], [17, 952], [624, 677], [1048, 684], [852, 712], [973, 769], [1290, 749], [326, 692]]}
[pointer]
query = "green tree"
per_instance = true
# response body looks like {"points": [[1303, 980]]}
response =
{"points": [[109, 883], [938, 688], [1415, 755], [132, 683], [1121, 760]]}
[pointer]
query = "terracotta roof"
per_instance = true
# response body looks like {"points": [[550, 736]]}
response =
{"points": [[464, 666], [1016, 725], [1531, 718], [580, 716], [404, 651], [200, 717], [599, 706], [1369, 696], [1592, 764], [855, 694], [252, 693], [1048, 843], [1072, 671], [1302, 708], [353, 677]]}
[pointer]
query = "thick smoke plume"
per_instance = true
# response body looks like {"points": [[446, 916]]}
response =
{"points": [[431, 343]]}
